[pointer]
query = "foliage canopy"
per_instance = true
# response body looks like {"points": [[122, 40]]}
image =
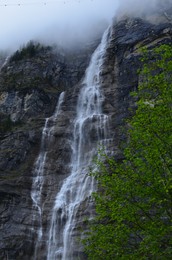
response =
{"points": [[30, 50], [134, 200]]}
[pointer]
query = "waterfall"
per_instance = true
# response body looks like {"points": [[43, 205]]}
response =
{"points": [[90, 131], [38, 171], [4, 62]]}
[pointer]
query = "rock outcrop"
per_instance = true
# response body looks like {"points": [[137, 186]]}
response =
{"points": [[29, 89]]}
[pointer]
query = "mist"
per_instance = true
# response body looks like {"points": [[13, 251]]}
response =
{"points": [[67, 22], [61, 22], [136, 8]]}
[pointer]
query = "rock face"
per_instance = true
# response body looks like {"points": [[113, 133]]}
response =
{"points": [[29, 90]]}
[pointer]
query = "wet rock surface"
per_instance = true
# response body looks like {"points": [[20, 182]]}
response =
{"points": [[29, 91]]}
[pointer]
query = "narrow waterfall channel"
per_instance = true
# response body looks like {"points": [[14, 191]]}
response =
{"points": [[4, 62], [38, 171], [90, 131]]}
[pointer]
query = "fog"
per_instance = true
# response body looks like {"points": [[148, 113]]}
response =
{"points": [[138, 8], [63, 22], [54, 22]]}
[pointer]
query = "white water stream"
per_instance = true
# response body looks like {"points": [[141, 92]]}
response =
{"points": [[90, 131], [4, 62], [38, 171]]}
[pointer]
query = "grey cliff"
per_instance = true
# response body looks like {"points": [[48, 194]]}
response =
{"points": [[29, 90]]}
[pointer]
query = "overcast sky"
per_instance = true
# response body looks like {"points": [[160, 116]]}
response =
{"points": [[23, 20], [58, 20]]}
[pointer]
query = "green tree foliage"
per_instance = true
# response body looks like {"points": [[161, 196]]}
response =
{"points": [[29, 51], [134, 199], [6, 124]]}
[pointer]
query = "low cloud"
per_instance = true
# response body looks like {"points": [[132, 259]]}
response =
{"points": [[54, 22], [138, 8], [64, 22]]}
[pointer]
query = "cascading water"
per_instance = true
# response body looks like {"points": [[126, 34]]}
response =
{"points": [[90, 131], [5, 61], [38, 171]]}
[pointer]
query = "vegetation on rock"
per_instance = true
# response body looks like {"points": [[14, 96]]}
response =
{"points": [[5, 123], [30, 50], [134, 199]]}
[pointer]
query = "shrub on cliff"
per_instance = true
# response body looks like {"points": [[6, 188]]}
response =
{"points": [[134, 199], [29, 51], [6, 124]]}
